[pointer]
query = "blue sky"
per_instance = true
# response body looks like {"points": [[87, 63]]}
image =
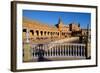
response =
{"points": [[51, 18]]}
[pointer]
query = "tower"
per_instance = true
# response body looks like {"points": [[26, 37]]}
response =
{"points": [[60, 24]]}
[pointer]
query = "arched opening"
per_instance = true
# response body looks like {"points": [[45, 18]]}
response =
{"points": [[37, 32], [32, 32], [24, 30], [44, 32], [58, 33], [51, 33], [41, 32], [48, 33]]}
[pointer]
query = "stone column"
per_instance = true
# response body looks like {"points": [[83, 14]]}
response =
{"points": [[27, 52], [27, 35], [27, 48]]}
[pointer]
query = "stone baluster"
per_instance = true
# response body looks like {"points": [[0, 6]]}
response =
{"points": [[64, 50], [51, 52], [81, 50], [61, 50], [75, 50], [68, 50], [48, 52], [56, 50], [34, 50], [74, 53], [78, 50]]}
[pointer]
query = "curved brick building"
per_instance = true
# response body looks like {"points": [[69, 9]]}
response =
{"points": [[36, 31]]}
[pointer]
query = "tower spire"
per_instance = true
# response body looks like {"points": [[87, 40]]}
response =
{"points": [[60, 21], [60, 24]]}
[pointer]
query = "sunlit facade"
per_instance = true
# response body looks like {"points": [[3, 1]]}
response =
{"points": [[36, 31]]}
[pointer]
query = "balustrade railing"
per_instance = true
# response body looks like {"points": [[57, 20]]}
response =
{"points": [[64, 49]]}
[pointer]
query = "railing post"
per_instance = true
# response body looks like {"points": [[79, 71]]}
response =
{"points": [[75, 50], [81, 50], [64, 50], [84, 50], [72, 50], [53, 51], [48, 52], [78, 50], [56, 50], [67, 50]]}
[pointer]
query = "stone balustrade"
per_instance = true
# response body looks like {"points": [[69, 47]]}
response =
{"points": [[63, 49]]}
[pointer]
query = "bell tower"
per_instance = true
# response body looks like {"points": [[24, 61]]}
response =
{"points": [[60, 24]]}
